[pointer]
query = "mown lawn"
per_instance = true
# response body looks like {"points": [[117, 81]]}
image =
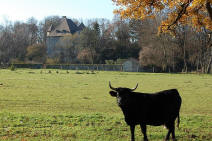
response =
{"points": [[77, 106]]}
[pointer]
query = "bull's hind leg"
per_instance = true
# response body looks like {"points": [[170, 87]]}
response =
{"points": [[132, 129], [171, 130], [143, 129], [173, 133]]}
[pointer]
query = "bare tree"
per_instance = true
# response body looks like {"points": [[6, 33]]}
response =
{"points": [[69, 45]]}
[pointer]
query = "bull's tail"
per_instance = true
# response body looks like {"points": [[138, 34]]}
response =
{"points": [[178, 120]]}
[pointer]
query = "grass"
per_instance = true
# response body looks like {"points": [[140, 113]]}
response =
{"points": [[77, 106]]}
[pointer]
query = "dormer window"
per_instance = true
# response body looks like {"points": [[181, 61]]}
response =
{"points": [[57, 31]]}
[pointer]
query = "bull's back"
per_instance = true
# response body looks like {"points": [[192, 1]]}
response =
{"points": [[155, 109]]}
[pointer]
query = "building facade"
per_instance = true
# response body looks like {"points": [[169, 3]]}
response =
{"points": [[54, 34], [131, 65]]}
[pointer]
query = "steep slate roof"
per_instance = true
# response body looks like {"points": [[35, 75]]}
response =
{"points": [[50, 28], [66, 27], [81, 26]]}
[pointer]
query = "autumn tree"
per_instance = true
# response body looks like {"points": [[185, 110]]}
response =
{"points": [[149, 57], [107, 41], [200, 53], [68, 48], [89, 42], [50, 21], [96, 30], [197, 13], [125, 43], [22, 38], [6, 44], [32, 30], [85, 56], [36, 53]]}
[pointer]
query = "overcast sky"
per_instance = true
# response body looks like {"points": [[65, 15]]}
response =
{"points": [[21, 10]]}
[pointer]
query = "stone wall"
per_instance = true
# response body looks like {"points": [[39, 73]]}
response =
{"points": [[96, 67], [51, 43]]}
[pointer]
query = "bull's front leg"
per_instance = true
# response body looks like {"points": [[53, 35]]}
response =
{"points": [[170, 127], [132, 129], [143, 129]]}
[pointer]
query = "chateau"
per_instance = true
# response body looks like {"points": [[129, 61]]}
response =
{"points": [[54, 34]]}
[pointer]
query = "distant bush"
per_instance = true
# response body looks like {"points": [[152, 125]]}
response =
{"points": [[12, 67], [17, 61], [109, 62], [112, 62], [120, 61], [78, 72], [32, 66], [92, 72], [51, 61], [36, 53]]}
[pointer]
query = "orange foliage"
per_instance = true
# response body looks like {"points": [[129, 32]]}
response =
{"points": [[196, 13]]}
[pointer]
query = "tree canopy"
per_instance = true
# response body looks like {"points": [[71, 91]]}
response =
{"points": [[196, 13]]}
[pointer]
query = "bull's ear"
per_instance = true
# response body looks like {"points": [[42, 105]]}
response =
{"points": [[113, 93]]}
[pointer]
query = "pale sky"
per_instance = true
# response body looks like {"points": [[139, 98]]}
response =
{"points": [[21, 10]]}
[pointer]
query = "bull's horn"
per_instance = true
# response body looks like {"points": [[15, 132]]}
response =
{"points": [[135, 88], [112, 87]]}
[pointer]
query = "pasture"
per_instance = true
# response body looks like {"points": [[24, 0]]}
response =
{"points": [[76, 106]]}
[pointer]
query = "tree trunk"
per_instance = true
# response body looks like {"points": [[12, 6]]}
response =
{"points": [[210, 62], [165, 59], [173, 61], [185, 68], [92, 55], [197, 65], [209, 9]]}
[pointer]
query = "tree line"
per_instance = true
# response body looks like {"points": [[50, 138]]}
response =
{"points": [[105, 41]]}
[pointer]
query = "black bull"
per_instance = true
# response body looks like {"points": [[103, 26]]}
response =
{"points": [[161, 108]]}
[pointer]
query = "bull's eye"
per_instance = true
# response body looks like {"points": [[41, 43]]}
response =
{"points": [[119, 100], [113, 93]]}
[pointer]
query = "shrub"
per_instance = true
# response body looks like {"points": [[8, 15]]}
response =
{"points": [[120, 61], [36, 53], [12, 67], [109, 62], [51, 61]]}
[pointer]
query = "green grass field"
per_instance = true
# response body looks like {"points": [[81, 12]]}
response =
{"points": [[77, 106]]}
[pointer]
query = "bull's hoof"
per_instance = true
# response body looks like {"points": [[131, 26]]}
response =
{"points": [[172, 139]]}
